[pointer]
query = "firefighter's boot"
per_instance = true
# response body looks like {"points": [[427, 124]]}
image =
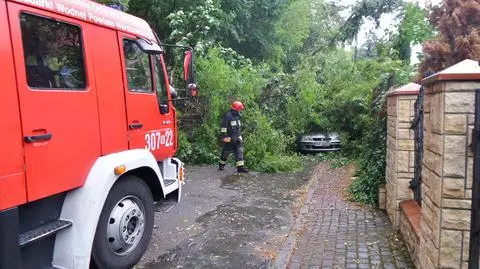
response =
{"points": [[242, 170], [221, 166]]}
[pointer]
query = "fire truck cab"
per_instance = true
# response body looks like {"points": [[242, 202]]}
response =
{"points": [[88, 135]]}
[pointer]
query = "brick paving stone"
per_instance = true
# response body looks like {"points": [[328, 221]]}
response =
{"points": [[295, 265], [340, 234]]}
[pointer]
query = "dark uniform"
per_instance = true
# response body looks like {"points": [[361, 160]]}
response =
{"points": [[231, 128]]}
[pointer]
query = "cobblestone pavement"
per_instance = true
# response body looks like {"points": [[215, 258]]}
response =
{"points": [[339, 234]]}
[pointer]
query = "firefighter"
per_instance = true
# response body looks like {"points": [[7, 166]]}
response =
{"points": [[232, 137]]}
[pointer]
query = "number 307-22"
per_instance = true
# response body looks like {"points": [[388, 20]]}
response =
{"points": [[156, 140]]}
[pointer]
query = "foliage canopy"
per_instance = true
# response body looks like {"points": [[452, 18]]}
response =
{"points": [[289, 62], [458, 25]]}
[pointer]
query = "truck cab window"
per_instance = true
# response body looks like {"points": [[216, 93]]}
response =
{"points": [[138, 66], [53, 53], [160, 81]]}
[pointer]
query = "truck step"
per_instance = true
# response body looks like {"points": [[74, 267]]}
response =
{"points": [[43, 231], [168, 182]]}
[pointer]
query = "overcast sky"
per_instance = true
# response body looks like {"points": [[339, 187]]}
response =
{"points": [[385, 22]]}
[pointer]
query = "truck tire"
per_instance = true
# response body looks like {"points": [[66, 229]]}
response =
{"points": [[125, 225]]}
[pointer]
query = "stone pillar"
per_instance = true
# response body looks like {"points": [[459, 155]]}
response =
{"points": [[449, 108], [382, 197], [400, 148]]}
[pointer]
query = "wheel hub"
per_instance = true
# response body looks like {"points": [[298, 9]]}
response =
{"points": [[126, 225]]}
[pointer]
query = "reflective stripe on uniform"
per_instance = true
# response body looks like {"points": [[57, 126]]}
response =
{"points": [[240, 163], [223, 130]]}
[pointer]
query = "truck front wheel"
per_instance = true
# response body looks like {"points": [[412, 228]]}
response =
{"points": [[125, 225]]}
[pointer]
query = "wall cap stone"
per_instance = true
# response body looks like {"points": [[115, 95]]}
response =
{"points": [[407, 89], [464, 70], [413, 213]]}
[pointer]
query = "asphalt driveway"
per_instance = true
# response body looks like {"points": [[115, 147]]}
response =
{"points": [[226, 220]]}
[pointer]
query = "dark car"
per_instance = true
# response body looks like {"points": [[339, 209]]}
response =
{"points": [[319, 142]]}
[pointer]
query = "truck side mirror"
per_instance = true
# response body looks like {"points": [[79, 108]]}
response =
{"points": [[189, 73]]}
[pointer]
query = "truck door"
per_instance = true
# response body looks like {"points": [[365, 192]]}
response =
{"points": [[12, 176], [146, 87], [58, 102]]}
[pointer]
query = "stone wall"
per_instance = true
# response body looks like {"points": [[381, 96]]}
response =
{"points": [[447, 174], [410, 227], [400, 148], [437, 232]]}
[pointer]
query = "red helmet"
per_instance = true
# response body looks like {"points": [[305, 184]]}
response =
{"points": [[238, 106]]}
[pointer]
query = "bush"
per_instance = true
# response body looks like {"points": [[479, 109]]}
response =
{"points": [[265, 146], [371, 166], [184, 146], [372, 157]]}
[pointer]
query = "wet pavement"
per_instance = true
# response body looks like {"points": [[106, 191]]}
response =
{"points": [[287, 220], [339, 234], [226, 220]]}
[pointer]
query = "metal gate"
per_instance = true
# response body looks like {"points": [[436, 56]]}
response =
{"points": [[417, 126], [475, 220]]}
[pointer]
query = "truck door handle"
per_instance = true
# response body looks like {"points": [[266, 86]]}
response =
{"points": [[37, 138], [137, 125]]}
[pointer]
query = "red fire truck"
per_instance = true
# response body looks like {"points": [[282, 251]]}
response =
{"points": [[88, 134]]}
